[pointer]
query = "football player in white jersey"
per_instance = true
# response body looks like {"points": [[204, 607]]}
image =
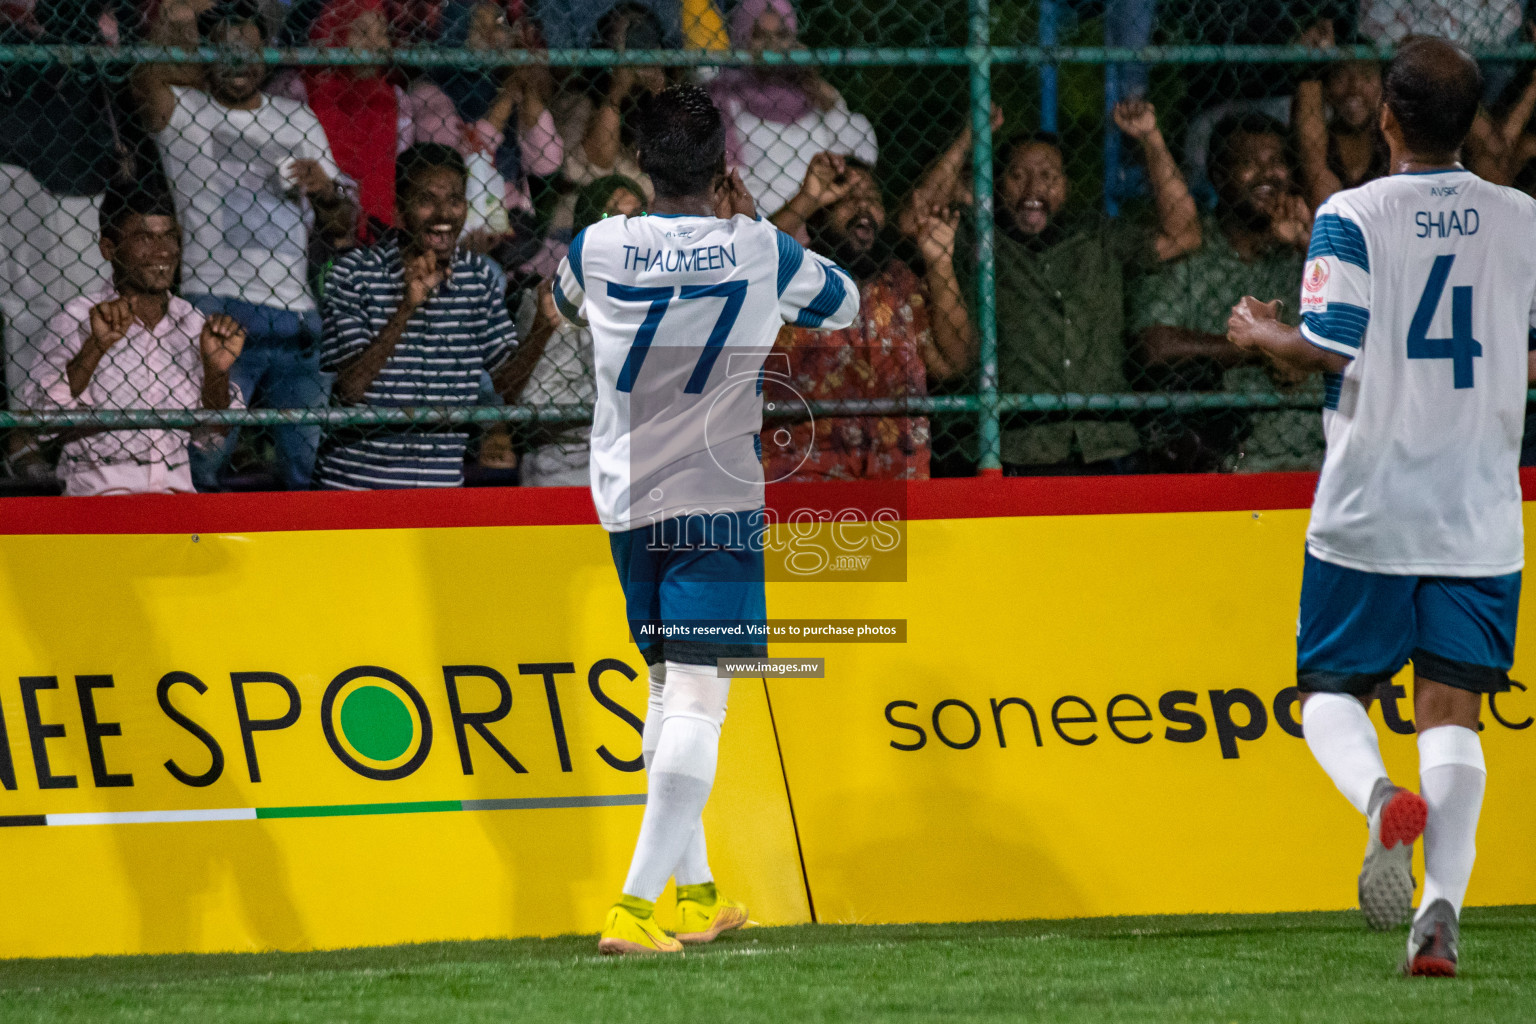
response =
{"points": [[1419, 305], [684, 305]]}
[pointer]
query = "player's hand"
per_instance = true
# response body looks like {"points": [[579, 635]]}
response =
{"points": [[1249, 319], [422, 279], [110, 322], [220, 343], [732, 198], [826, 180], [1136, 118], [936, 235]]}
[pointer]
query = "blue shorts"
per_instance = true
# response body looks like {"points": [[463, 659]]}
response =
{"points": [[693, 587], [1357, 629]]}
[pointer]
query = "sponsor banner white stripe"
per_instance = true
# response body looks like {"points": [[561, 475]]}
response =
{"points": [[153, 817]]}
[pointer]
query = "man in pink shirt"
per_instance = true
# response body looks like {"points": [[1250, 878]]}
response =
{"points": [[134, 346]]}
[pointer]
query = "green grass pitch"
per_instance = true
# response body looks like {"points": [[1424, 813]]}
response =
{"points": [[1221, 968]]}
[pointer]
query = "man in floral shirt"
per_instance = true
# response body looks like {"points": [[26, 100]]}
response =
{"points": [[912, 326]]}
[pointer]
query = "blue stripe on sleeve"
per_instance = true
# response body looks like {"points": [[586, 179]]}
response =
{"points": [[1341, 322], [1532, 336], [1333, 235], [791, 255], [826, 302], [562, 303], [573, 254], [1333, 385]]}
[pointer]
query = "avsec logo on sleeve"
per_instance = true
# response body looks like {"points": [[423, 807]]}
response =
{"points": [[1312, 285]]}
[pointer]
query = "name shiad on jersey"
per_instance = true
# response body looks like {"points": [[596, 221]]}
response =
{"points": [[1427, 284], [683, 312]]}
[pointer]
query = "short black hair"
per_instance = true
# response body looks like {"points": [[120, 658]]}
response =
{"points": [[130, 197], [426, 156], [1009, 149], [1433, 88], [1224, 137], [680, 137], [229, 13]]}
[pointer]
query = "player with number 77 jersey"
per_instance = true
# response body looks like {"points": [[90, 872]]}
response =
{"points": [[683, 311], [684, 305], [1419, 304]]}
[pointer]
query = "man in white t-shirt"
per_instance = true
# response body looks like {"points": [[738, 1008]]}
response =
{"points": [[253, 177], [1419, 306]]}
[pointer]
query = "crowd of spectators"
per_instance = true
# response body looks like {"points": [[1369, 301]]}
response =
{"points": [[365, 235]]}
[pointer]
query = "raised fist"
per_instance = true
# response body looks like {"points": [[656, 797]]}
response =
{"points": [[221, 343], [110, 320]]}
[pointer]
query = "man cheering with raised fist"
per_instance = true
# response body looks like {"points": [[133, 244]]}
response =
{"points": [[413, 321], [135, 346]]}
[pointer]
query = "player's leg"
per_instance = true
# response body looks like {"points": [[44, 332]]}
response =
{"points": [[693, 869], [631, 926], [1354, 632], [1466, 646], [719, 580]]}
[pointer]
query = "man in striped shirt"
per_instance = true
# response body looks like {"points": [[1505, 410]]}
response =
{"points": [[413, 321]]}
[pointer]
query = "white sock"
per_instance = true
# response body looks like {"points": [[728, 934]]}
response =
{"points": [[693, 869], [1452, 775], [1343, 740], [682, 772]]}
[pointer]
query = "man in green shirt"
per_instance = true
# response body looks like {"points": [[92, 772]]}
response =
{"points": [[1061, 290], [1257, 239]]}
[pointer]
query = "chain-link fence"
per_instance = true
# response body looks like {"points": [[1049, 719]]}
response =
{"points": [[1049, 208]]}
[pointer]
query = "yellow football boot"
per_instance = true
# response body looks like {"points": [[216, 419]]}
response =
{"points": [[702, 913], [632, 928]]}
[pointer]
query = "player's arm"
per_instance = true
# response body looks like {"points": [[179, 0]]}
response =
{"points": [[1165, 343], [813, 291], [1255, 327], [1178, 219], [569, 287]]}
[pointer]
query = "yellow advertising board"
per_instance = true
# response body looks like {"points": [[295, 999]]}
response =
{"points": [[1091, 716], [314, 721], [291, 740]]}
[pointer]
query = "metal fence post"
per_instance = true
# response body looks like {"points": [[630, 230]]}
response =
{"points": [[980, 53]]}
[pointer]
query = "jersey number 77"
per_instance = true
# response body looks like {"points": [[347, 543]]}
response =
{"points": [[734, 293]]}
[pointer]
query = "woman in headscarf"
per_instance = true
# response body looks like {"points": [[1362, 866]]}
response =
{"points": [[369, 117], [513, 98], [592, 120], [778, 118], [561, 353]]}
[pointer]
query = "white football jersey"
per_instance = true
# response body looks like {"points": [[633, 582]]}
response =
{"points": [[1428, 283], [683, 313]]}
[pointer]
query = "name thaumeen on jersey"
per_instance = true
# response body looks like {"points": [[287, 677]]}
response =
{"points": [[704, 257]]}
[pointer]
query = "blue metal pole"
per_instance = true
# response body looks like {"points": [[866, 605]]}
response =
{"points": [[1049, 13]]}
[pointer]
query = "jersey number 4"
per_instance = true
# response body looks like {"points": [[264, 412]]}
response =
{"points": [[1460, 348], [733, 292]]}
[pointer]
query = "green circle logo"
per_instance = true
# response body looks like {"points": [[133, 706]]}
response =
{"points": [[377, 723]]}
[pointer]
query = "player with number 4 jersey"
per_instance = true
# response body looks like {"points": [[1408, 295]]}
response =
{"points": [[1419, 305], [684, 305]]}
